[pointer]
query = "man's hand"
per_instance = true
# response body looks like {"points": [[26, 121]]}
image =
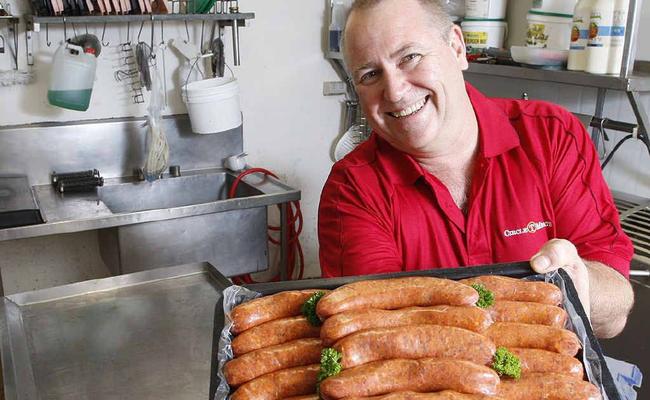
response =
{"points": [[560, 253]]}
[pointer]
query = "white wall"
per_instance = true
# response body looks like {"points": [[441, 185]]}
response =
{"points": [[289, 125]]}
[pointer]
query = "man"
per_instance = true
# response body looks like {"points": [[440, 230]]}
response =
{"points": [[452, 178]]}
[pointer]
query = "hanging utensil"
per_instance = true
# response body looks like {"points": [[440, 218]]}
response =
{"points": [[218, 60]]}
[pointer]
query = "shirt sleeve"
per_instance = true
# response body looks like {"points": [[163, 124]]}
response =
{"points": [[354, 228], [585, 212]]}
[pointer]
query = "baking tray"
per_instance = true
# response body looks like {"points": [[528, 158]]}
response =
{"points": [[515, 270], [146, 335]]}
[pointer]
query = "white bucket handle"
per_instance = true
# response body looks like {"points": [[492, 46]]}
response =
{"points": [[189, 73]]}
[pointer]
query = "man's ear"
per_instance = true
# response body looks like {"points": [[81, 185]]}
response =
{"points": [[457, 44]]}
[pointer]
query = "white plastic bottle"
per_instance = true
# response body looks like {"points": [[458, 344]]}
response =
{"points": [[338, 13], [618, 36], [599, 42], [72, 78], [579, 36]]}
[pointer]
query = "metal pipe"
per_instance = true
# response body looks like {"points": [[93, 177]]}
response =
{"points": [[284, 239], [631, 28], [235, 42], [234, 9], [611, 124]]}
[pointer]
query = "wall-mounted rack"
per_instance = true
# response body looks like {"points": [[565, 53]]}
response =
{"points": [[234, 20], [12, 23]]}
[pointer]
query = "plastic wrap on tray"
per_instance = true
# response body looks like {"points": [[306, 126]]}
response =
{"points": [[591, 359], [576, 323], [232, 296]]}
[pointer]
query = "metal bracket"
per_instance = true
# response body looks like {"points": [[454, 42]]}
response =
{"points": [[13, 29], [598, 113], [641, 118], [29, 46]]}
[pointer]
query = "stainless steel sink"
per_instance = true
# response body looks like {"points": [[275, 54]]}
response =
{"points": [[206, 225], [172, 221], [175, 192]]}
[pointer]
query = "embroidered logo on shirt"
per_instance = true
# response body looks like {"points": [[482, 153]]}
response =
{"points": [[532, 227]]}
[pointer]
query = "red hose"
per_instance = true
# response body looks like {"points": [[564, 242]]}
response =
{"points": [[293, 242]]}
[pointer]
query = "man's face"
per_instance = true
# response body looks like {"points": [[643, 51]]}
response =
{"points": [[407, 77]]}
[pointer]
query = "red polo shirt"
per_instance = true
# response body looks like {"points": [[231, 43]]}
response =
{"points": [[537, 178]]}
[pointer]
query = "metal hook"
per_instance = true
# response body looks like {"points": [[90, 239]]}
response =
{"points": [[105, 44], [140, 31], [47, 35], [86, 29], [187, 31], [65, 31], [201, 43], [128, 32], [153, 54], [74, 30], [162, 32]]}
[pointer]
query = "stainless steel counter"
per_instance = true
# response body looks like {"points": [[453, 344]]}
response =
{"points": [[147, 335], [87, 211]]}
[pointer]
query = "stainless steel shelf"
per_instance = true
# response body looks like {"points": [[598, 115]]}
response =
{"points": [[9, 18], [639, 81], [100, 19]]}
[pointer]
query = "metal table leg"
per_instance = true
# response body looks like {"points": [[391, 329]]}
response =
{"points": [[283, 241]]}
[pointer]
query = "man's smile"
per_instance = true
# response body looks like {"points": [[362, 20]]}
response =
{"points": [[410, 110]]}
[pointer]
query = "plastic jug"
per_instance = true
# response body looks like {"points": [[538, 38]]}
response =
{"points": [[73, 75]]}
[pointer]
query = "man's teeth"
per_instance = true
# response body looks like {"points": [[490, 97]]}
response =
{"points": [[410, 110]]}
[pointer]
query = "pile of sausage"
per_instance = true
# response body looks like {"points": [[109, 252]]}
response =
{"points": [[408, 338]]}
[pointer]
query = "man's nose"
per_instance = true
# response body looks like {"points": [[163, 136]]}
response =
{"points": [[395, 87]]}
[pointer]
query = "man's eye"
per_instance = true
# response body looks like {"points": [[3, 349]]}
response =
{"points": [[368, 77], [411, 58]]}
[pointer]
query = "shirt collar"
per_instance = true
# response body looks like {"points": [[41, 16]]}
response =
{"points": [[496, 136]]}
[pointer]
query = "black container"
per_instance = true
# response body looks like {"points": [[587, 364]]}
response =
{"points": [[514, 270]]}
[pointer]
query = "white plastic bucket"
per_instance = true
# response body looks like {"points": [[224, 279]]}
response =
{"points": [[554, 6], [549, 30], [483, 33], [213, 104], [485, 9]]}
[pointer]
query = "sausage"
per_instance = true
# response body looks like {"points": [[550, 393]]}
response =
{"points": [[548, 386], [340, 325], [282, 356], [273, 332], [535, 360], [268, 308], [444, 395], [308, 397], [513, 334], [413, 342], [528, 313], [423, 375], [280, 384], [506, 288], [390, 294]]}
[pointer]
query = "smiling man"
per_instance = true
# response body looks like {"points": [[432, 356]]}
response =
{"points": [[453, 178]]}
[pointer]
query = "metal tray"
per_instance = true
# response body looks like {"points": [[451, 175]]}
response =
{"points": [[515, 270], [147, 335]]}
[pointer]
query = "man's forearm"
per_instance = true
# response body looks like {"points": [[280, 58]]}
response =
{"points": [[611, 299]]}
